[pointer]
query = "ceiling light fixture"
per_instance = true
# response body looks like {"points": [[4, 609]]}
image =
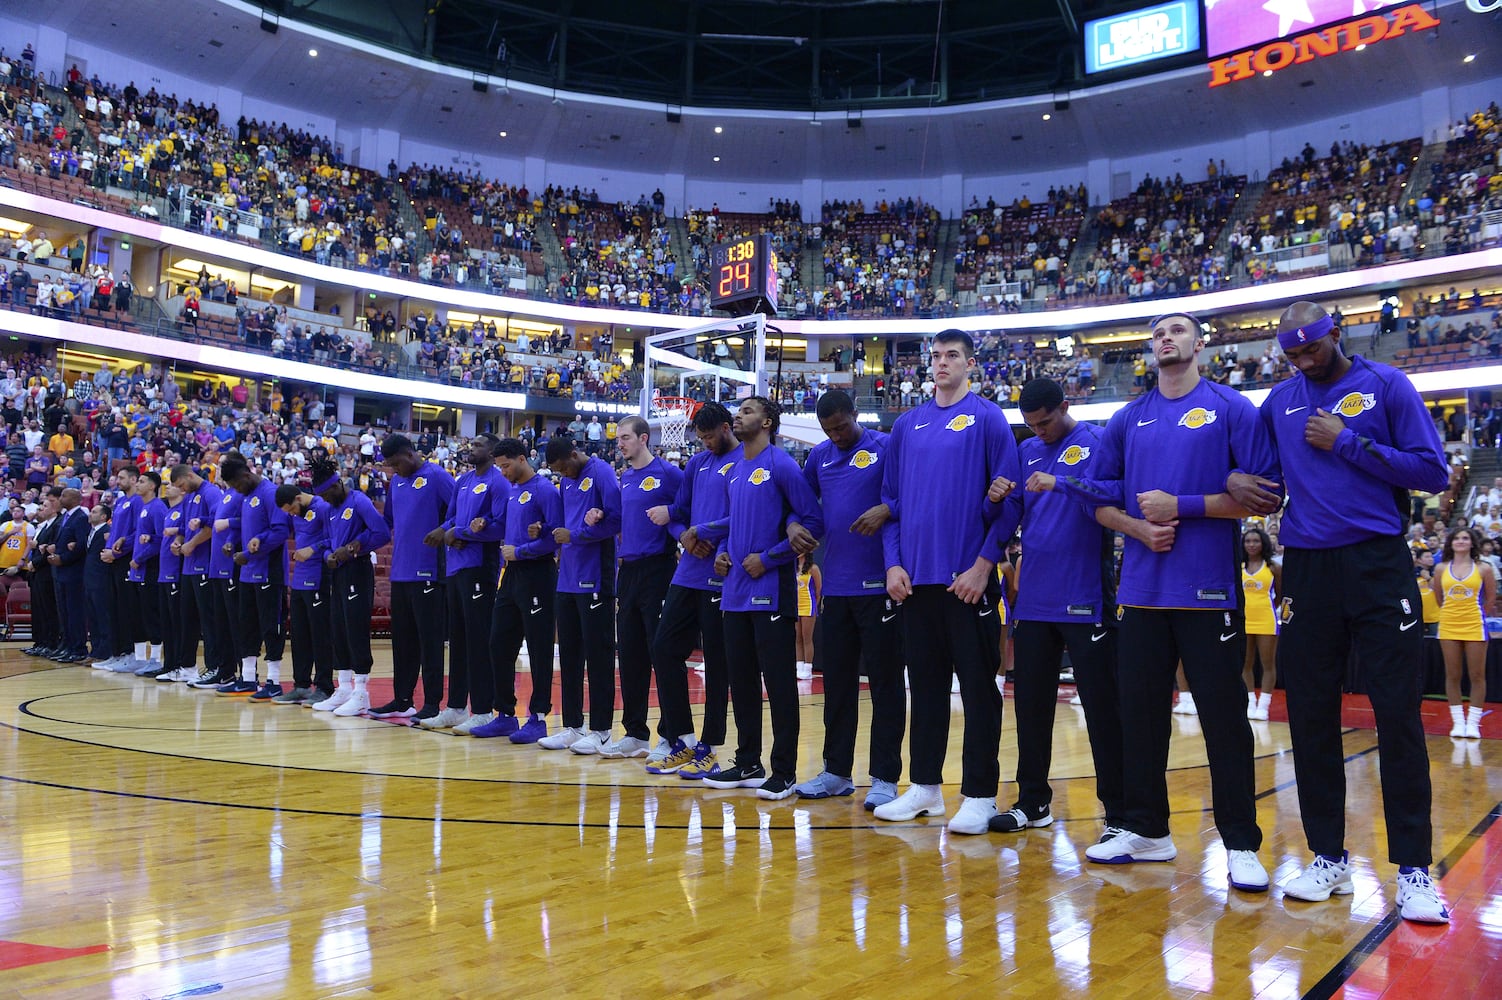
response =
{"points": [[1470, 58], [313, 53], [503, 133], [718, 129], [1047, 117]]}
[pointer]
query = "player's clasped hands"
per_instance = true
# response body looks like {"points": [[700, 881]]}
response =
{"points": [[534, 530], [722, 564], [1258, 495], [871, 521], [1039, 482], [658, 515], [801, 539], [593, 516], [1000, 489]]}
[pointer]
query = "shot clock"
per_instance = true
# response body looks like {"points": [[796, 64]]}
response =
{"points": [[743, 276]]}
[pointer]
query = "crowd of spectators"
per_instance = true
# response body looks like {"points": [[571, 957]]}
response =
{"points": [[877, 263], [1008, 254], [618, 255], [783, 222]]}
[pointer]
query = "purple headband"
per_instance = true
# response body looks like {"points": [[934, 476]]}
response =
{"points": [[1306, 334], [320, 487]]}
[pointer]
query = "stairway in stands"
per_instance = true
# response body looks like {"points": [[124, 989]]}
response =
{"points": [[1086, 243], [1246, 207], [552, 250], [811, 267], [1421, 170], [683, 250], [947, 241]]}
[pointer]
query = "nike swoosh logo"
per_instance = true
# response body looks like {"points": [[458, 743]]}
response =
{"points": [[1097, 638], [714, 600], [919, 427], [265, 586], [1144, 423], [1408, 625], [1034, 461], [987, 612], [534, 611], [475, 597], [825, 465], [1227, 638], [596, 607], [887, 618], [1294, 409], [776, 618]]}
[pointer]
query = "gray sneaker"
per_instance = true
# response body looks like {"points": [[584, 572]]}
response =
{"points": [[297, 696], [446, 719]]}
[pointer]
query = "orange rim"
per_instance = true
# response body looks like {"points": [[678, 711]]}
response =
{"points": [[689, 407]]}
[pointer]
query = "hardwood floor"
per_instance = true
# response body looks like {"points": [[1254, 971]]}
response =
{"points": [[213, 845]]}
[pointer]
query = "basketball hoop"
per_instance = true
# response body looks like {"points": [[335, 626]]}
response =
{"points": [[674, 414]]}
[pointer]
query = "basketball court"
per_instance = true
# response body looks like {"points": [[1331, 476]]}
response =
{"points": [[170, 843]]}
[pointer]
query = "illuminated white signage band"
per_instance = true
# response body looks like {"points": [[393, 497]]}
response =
{"points": [[1170, 29]]}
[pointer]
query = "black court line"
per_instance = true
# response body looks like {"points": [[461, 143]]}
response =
{"points": [[467, 821], [1346, 968]]}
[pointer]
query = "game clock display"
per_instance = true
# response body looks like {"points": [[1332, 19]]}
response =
{"points": [[743, 275]]}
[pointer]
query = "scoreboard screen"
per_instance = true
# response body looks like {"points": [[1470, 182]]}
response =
{"points": [[743, 275]]}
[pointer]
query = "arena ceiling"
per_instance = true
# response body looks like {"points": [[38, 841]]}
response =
{"points": [[975, 130]]}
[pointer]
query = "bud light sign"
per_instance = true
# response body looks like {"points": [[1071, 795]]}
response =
{"points": [[1169, 29]]}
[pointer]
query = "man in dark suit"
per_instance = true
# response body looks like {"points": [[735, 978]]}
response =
{"points": [[97, 583], [47, 637], [71, 537]]}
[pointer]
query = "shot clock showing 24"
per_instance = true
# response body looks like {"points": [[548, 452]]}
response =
{"points": [[743, 276]]}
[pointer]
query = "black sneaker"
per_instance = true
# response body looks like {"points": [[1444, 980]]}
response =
{"points": [[211, 681], [426, 712], [738, 776], [393, 709], [775, 787], [1019, 818]]}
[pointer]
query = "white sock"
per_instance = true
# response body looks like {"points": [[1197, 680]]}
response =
{"points": [[346, 678], [360, 681], [688, 740], [1251, 699], [1457, 714], [247, 668], [154, 653], [143, 650], [1264, 699], [1473, 715], [274, 671]]}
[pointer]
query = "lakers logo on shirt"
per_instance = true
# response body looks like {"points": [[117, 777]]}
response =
{"points": [[349, 513], [526, 497], [1460, 591], [419, 482], [760, 476], [863, 459], [1074, 455], [586, 484], [650, 483], [310, 516], [959, 423], [1353, 404], [1197, 418], [725, 469], [481, 488], [255, 501]]}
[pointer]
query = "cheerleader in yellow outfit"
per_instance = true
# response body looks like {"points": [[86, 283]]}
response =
{"points": [[1261, 583], [1465, 587], [810, 587]]}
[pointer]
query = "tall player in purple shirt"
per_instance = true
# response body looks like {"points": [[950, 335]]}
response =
{"points": [[116, 554], [527, 513], [586, 595], [195, 545], [649, 556], [691, 613], [1066, 599], [862, 634], [417, 504], [147, 607], [312, 637], [941, 460], [473, 561], [1166, 457], [761, 607], [264, 530], [1353, 437]]}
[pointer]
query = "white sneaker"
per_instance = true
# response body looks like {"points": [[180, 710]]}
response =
{"points": [[1320, 879], [918, 800], [446, 719], [108, 664], [341, 695], [1246, 872], [1259, 714], [463, 728], [357, 702], [626, 746], [661, 752], [954, 684], [180, 675], [1185, 704], [1419, 899], [1126, 847], [805, 671], [973, 816], [561, 740], [591, 743]]}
